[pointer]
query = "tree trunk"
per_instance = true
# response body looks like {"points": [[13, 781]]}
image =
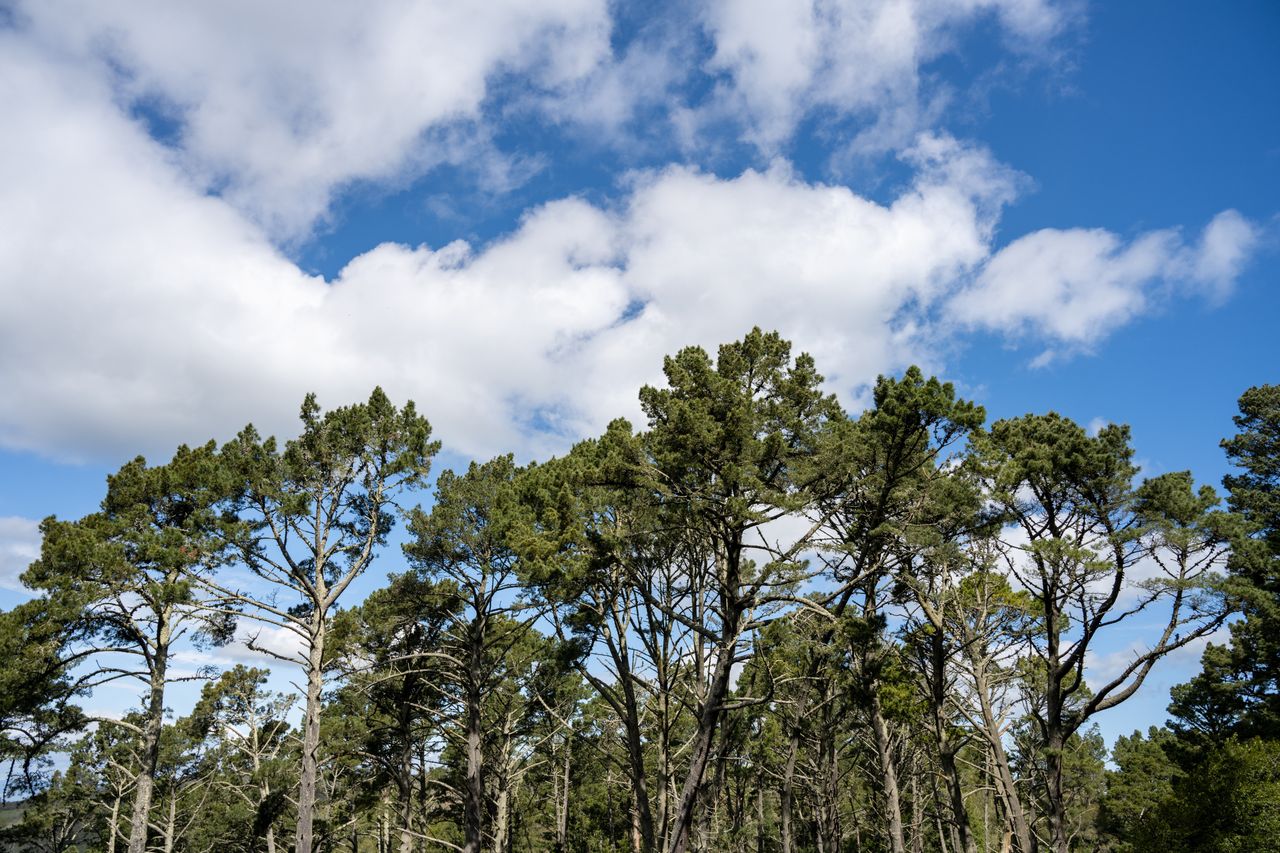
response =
{"points": [[144, 783], [829, 813], [884, 751], [643, 817], [311, 735], [787, 797], [760, 836], [171, 824], [947, 749], [1014, 813], [473, 809], [708, 720], [113, 826], [917, 813], [502, 816], [1057, 806], [562, 803], [404, 784]]}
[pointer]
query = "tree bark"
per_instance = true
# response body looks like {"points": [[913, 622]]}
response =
{"points": [[787, 797], [144, 783], [889, 771], [708, 720], [1014, 812], [473, 794], [311, 735]]}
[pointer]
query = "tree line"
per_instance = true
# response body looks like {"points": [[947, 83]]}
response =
{"points": [[758, 623]]}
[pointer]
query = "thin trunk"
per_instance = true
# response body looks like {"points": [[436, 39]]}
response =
{"points": [[144, 783], [263, 793], [171, 824], [884, 751], [917, 814], [562, 803], [642, 816], [311, 736], [1008, 791], [473, 794], [759, 816], [787, 798], [710, 795], [113, 827]]}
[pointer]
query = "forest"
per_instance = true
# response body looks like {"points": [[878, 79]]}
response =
{"points": [[756, 623]]}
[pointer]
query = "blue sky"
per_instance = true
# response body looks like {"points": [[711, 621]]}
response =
{"points": [[511, 216]]}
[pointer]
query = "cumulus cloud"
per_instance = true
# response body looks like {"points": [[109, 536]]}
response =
{"points": [[784, 61], [1073, 287], [138, 312], [277, 105], [19, 546]]}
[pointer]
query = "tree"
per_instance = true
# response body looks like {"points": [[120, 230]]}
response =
{"points": [[392, 651], [1142, 781], [308, 519], [1081, 531], [611, 577], [37, 689], [897, 505], [1238, 691], [468, 542], [126, 573], [247, 727], [730, 448], [1229, 803]]}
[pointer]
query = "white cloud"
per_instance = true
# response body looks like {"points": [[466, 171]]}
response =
{"points": [[19, 546], [784, 61], [1074, 287], [137, 312], [1224, 248], [279, 107], [279, 104]]}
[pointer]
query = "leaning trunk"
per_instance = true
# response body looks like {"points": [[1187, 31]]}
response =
{"points": [[1018, 823], [708, 720], [946, 747]]}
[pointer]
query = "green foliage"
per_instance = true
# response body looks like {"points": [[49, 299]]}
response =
{"points": [[1142, 781], [1228, 802], [754, 624], [1238, 689]]}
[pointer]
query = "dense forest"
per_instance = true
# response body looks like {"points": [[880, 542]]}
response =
{"points": [[757, 623]]}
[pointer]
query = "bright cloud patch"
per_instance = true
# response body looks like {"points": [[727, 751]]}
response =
{"points": [[787, 60], [278, 104], [137, 310], [19, 546], [1075, 286]]}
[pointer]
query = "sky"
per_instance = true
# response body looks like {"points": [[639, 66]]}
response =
{"points": [[510, 212]]}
